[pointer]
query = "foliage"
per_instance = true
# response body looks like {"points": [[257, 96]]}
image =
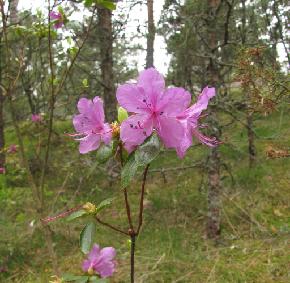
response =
{"points": [[44, 69]]}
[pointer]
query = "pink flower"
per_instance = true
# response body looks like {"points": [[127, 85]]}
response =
{"points": [[57, 17], [191, 116], [90, 125], [2, 170], [154, 108], [36, 118], [100, 261], [12, 148]]}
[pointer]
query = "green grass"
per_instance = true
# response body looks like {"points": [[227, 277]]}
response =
{"points": [[172, 247]]}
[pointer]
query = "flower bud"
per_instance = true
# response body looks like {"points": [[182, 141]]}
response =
{"points": [[122, 114], [91, 271], [89, 208], [115, 129]]}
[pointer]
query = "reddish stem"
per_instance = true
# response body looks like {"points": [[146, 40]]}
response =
{"points": [[142, 199]]}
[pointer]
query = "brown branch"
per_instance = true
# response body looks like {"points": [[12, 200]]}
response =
{"points": [[55, 92], [142, 199], [67, 71], [198, 164], [111, 226], [128, 210]]}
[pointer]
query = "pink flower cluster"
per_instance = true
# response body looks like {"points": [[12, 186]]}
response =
{"points": [[12, 148], [90, 125], [36, 118], [57, 17], [100, 261], [154, 108]]}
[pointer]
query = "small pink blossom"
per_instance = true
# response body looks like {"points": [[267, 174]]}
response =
{"points": [[2, 170], [36, 118], [90, 125], [155, 108], [190, 118], [12, 148], [57, 17], [100, 261]]}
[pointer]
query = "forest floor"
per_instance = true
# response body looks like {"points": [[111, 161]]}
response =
{"points": [[172, 247]]}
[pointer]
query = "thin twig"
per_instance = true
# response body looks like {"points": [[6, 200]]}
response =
{"points": [[198, 164], [128, 210], [142, 199], [111, 226]]}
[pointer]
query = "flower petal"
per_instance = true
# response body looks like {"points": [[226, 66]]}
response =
{"points": [[129, 147], [107, 134], [83, 105], [136, 129], [108, 253], [131, 97], [94, 253], [185, 144], [98, 109], [174, 101], [202, 102], [86, 265], [89, 143], [82, 124], [105, 268], [153, 84], [172, 131]]}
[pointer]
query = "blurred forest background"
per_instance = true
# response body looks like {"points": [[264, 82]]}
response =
{"points": [[218, 215]]}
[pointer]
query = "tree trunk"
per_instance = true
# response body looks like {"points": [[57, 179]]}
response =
{"points": [[251, 140], [13, 11], [150, 35], [106, 54], [2, 134], [251, 134], [214, 187], [13, 19]]}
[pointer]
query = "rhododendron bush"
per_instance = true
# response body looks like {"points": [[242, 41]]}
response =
{"points": [[151, 117]]}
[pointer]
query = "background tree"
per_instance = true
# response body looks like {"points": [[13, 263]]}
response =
{"points": [[150, 35]]}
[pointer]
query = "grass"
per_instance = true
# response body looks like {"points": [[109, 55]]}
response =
{"points": [[172, 247]]}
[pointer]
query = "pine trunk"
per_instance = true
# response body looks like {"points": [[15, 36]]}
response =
{"points": [[2, 134], [150, 35], [214, 186], [106, 54], [251, 140]]}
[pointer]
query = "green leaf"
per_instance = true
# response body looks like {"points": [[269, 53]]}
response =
{"points": [[148, 151], [67, 277], [87, 237], [144, 155], [129, 171], [88, 3], [108, 4], [73, 51], [122, 114], [76, 215], [104, 153], [69, 40], [95, 279], [104, 204], [85, 83]]}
